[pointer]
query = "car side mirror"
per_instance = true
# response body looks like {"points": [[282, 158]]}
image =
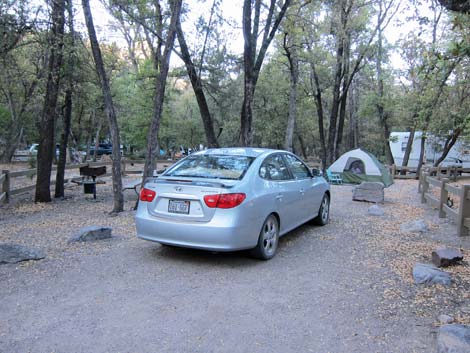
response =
{"points": [[317, 172]]}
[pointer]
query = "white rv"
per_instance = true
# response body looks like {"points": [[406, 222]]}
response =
{"points": [[459, 153]]}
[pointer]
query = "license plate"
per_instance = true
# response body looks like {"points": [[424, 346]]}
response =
{"points": [[177, 206]]}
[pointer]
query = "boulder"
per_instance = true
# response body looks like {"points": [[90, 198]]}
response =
{"points": [[13, 253], [444, 257], [375, 210], [445, 319], [429, 274], [369, 191], [418, 226], [92, 233], [454, 338]]}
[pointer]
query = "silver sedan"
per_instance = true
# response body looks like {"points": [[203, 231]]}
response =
{"points": [[232, 199]]}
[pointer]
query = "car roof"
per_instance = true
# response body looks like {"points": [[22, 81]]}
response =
{"points": [[238, 151]]}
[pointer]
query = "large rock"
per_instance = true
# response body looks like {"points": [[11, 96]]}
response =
{"points": [[375, 210], [369, 191], [13, 253], [418, 226], [453, 338], [92, 233], [443, 257], [429, 274]]}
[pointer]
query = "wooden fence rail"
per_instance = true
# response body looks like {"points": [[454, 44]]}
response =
{"points": [[461, 216], [6, 176]]}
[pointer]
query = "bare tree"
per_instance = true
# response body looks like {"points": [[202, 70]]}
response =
{"points": [[109, 107]]}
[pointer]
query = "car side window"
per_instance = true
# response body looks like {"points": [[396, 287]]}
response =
{"points": [[297, 167], [274, 168]]}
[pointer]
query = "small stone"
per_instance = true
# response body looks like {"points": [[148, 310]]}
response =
{"points": [[375, 210], [445, 319], [444, 257], [13, 253], [429, 274], [454, 338], [418, 226], [92, 233]]}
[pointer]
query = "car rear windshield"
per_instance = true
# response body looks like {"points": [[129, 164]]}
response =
{"points": [[212, 166]]}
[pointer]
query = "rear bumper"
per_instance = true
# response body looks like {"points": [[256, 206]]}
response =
{"points": [[217, 235]]}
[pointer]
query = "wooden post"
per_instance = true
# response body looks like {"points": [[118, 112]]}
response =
{"points": [[123, 166], [394, 170], [464, 211], [424, 187], [6, 185], [443, 198], [420, 181]]}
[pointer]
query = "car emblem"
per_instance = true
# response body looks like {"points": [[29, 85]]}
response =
{"points": [[178, 188]]}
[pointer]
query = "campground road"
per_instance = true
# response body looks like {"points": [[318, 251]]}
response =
{"points": [[319, 294]]}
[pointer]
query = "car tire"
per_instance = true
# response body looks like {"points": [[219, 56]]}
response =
{"points": [[268, 240], [324, 212]]}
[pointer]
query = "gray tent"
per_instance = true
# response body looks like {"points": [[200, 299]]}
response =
{"points": [[357, 166]]}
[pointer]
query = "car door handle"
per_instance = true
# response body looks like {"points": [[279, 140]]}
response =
{"points": [[279, 197], [302, 191]]}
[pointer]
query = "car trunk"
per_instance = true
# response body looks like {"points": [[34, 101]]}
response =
{"points": [[182, 199]]}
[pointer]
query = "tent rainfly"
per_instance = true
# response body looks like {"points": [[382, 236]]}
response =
{"points": [[357, 166]]}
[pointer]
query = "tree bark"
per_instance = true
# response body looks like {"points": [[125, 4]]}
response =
{"points": [[118, 199], [153, 149], [46, 149]]}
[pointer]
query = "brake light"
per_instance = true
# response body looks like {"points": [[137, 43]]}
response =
{"points": [[224, 200], [147, 195]]}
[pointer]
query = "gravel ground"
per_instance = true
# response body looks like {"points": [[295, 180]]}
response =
{"points": [[345, 287]]}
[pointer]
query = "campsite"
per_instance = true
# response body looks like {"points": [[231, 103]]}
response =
{"points": [[234, 176]]}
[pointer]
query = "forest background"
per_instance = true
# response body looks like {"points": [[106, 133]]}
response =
{"points": [[314, 77]]}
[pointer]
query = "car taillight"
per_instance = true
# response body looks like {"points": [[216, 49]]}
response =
{"points": [[224, 200], [147, 195]]}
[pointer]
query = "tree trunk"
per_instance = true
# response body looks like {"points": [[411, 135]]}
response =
{"points": [[59, 183], [315, 84], [196, 83], [421, 153], [291, 53], [383, 117], [332, 130], [343, 96], [409, 145], [450, 142], [118, 205], [253, 61], [153, 148], [46, 148]]}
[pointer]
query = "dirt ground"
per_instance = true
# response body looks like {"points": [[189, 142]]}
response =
{"points": [[345, 287]]}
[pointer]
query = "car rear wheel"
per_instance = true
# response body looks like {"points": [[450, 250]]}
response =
{"points": [[324, 212], [268, 239]]}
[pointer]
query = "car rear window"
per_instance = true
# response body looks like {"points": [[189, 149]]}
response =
{"points": [[212, 167]]}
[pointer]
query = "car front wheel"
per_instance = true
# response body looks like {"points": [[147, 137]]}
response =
{"points": [[268, 239]]}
